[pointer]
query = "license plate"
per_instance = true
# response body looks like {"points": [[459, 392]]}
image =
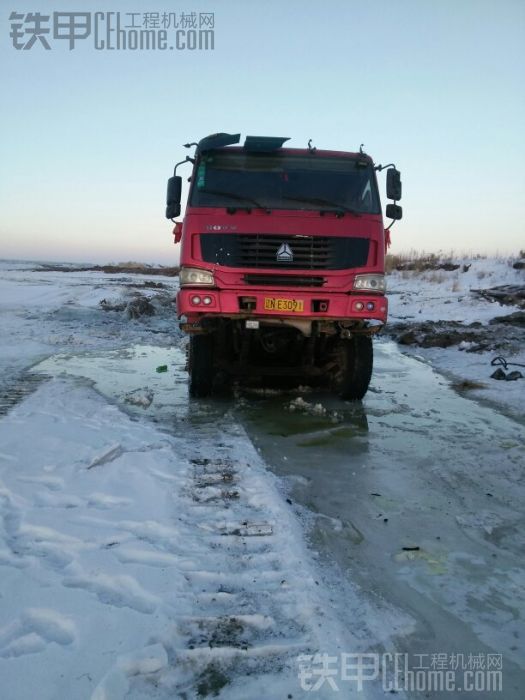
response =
{"points": [[295, 306]]}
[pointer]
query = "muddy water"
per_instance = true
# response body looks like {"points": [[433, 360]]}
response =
{"points": [[414, 499]]}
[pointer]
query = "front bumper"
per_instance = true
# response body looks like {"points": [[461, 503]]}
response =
{"points": [[317, 305]]}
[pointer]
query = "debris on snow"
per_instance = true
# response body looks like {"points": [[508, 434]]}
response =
{"points": [[140, 397], [140, 306], [107, 455]]}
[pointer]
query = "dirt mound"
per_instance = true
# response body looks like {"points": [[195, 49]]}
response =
{"points": [[132, 269], [505, 294]]}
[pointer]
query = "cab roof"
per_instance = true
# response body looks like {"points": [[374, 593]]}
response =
{"points": [[266, 144]]}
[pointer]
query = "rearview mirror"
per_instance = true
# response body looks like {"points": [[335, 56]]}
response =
{"points": [[173, 197], [393, 184], [393, 211]]}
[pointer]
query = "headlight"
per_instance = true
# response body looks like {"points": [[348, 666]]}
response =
{"points": [[370, 283], [195, 277]]}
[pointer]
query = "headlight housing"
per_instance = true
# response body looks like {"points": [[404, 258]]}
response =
{"points": [[370, 283], [193, 276]]}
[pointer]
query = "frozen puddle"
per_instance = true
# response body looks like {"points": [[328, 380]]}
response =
{"points": [[130, 377], [144, 560], [417, 496]]}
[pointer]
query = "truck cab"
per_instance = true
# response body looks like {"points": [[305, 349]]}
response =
{"points": [[282, 263]]}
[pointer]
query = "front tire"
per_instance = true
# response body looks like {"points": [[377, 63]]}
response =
{"points": [[354, 367], [200, 365]]}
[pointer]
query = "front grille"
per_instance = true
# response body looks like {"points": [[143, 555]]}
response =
{"points": [[259, 250], [285, 280]]}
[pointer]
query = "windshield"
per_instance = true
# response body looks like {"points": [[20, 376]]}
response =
{"points": [[282, 181]]}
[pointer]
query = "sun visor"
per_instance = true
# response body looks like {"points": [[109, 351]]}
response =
{"points": [[217, 141], [264, 143]]}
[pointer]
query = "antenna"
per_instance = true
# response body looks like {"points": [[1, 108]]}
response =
{"points": [[311, 149]]}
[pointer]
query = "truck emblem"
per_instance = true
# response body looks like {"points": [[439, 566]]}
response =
{"points": [[284, 254]]}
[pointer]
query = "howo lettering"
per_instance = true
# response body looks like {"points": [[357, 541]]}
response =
{"points": [[282, 263]]}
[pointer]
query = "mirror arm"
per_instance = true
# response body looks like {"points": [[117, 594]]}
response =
{"points": [[390, 224], [384, 167], [188, 159]]}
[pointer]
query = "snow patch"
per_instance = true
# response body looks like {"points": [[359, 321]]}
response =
{"points": [[34, 630]]}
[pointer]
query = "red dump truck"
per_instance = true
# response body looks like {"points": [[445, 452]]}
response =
{"points": [[282, 263]]}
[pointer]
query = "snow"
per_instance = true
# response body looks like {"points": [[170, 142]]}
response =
{"points": [[137, 560], [122, 568], [140, 558], [438, 295]]}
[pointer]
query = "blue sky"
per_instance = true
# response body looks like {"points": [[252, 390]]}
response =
{"points": [[437, 86]]}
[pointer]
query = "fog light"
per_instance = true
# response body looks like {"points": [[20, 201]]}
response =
{"points": [[359, 306], [370, 306], [207, 301], [196, 300]]}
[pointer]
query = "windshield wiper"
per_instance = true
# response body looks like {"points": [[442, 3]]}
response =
{"points": [[319, 200], [238, 197]]}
